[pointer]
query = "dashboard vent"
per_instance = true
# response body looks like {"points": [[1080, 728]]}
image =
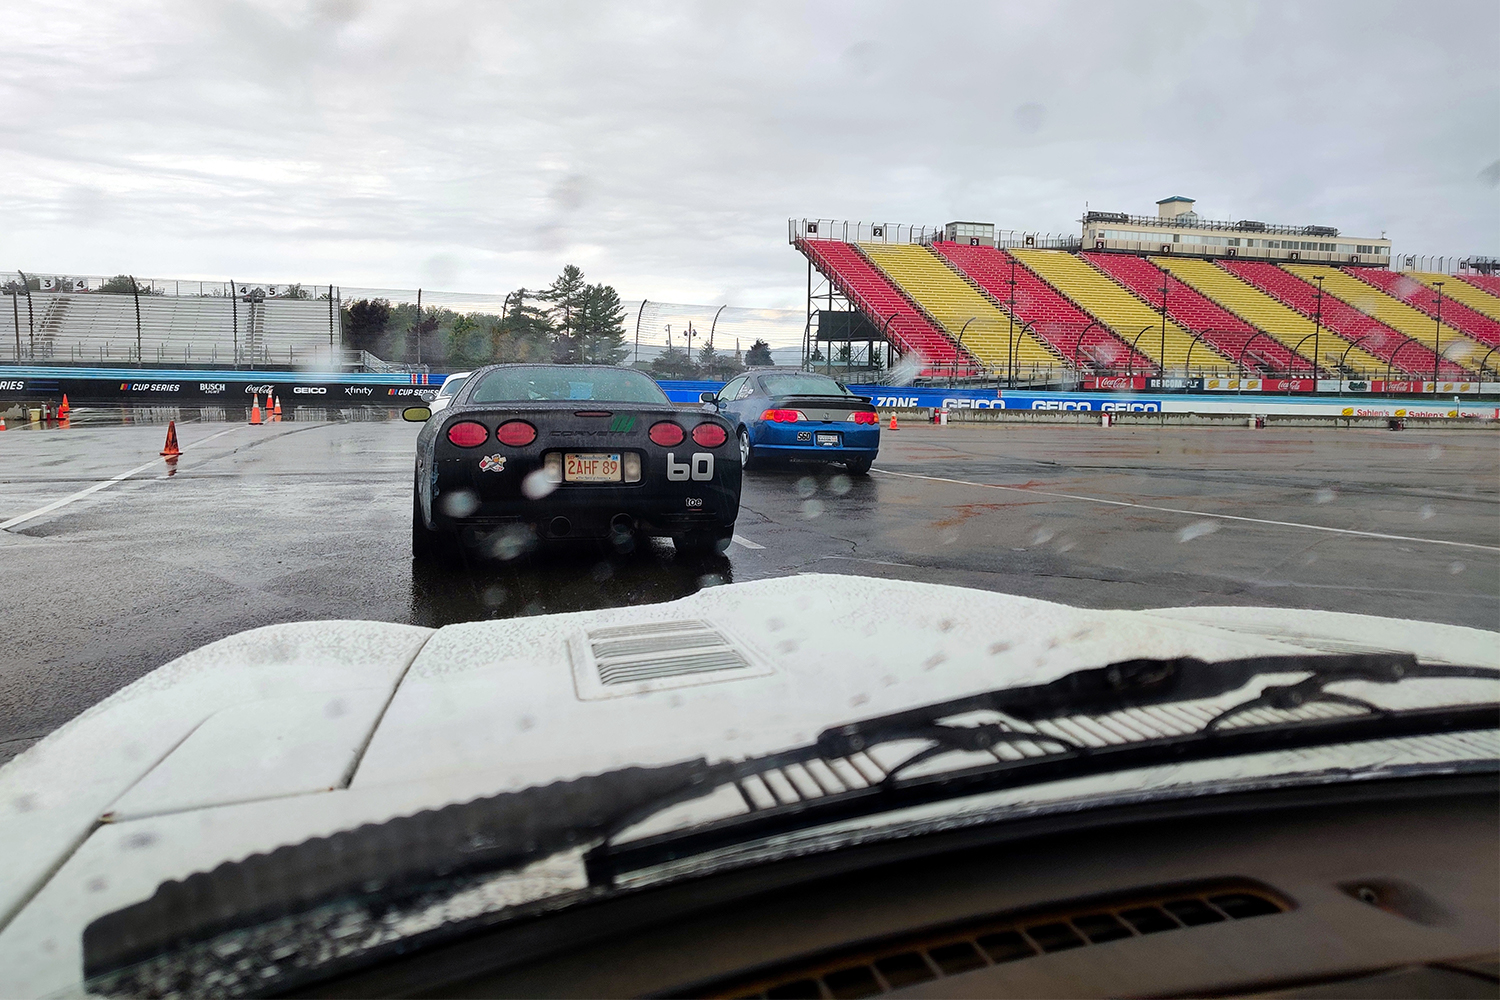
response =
{"points": [[872, 969], [631, 659]]}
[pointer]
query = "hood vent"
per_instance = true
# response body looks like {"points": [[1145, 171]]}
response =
{"points": [[882, 967], [632, 659]]}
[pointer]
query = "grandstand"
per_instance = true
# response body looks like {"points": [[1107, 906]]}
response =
{"points": [[1273, 317], [1188, 308], [1128, 317], [1468, 290], [1487, 283], [965, 315], [897, 317], [1375, 350], [1040, 308], [95, 327], [1395, 315], [1420, 292]]}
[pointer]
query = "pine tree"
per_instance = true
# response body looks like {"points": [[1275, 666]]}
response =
{"points": [[601, 326], [758, 355], [566, 299]]}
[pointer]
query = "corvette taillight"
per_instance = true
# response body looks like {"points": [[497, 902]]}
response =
{"points": [[516, 433], [866, 417], [710, 435], [783, 416], [468, 434], [666, 434]]}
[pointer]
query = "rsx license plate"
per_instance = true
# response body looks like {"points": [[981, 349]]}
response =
{"points": [[828, 439], [591, 468]]}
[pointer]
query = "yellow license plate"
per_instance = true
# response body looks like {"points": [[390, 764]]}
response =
{"points": [[579, 468]]}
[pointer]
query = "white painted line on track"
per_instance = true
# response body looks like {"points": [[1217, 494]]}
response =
{"points": [[747, 543], [1193, 513], [54, 505]]}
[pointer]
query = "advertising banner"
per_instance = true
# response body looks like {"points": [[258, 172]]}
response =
{"points": [[1117, 383]]}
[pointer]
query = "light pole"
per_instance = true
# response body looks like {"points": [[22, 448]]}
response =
{"points": [[961, 333], [1437, 337], [1164, 325], [1317, 326], [638, 312], [30, 317], [1010, 351]]}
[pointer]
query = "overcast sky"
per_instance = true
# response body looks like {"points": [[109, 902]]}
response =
{"points": [[479, 147]]}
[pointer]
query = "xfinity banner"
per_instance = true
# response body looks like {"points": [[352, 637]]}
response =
{"points": [[196, 392]]}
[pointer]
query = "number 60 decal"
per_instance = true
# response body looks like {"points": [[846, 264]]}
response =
{"points": [[699, 468]]}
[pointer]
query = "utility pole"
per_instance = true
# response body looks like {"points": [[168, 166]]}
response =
{"points": [[1437, 337]]}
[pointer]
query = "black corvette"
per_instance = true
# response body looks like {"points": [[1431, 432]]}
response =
{"points": [[542, 452]]}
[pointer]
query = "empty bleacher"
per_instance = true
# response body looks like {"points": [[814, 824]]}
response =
{"points": [[101, 327], [1421, 296], [1269, 314], [1487, 283], [1475, 296], [1040, 307], [966, 315], [1130, 318], [1390, 318], [862, 283], [1193, 311]]}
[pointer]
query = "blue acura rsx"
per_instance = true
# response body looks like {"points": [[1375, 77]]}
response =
{"points": [[798, 415]]}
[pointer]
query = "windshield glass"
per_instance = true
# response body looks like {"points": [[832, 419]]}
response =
{"points": [[507, 385], [797, 384], [726, 481]]}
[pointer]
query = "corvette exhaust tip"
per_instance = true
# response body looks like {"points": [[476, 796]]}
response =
{"points": [[559, 526]]}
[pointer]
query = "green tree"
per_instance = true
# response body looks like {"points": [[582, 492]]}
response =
{"points": [[295, 292], [565, 298], [365, 324], [123, 283], [759, 355], [672, 363], [844, 355], [712, 364], [601, 326], [524, 334]]}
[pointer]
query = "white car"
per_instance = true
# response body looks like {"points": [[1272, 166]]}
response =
{"points": [[815, 785], [450, 388]]}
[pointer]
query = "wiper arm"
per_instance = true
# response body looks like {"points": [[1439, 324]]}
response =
{"points": [[1081, 695]]}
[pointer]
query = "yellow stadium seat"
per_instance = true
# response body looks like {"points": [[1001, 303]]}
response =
{"points": [[1121, 311], [987, 331]]}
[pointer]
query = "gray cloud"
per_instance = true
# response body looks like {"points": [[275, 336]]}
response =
{"points": [[663, 146]]}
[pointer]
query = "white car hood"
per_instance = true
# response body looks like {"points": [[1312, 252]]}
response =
{"points": [[292, 731]]}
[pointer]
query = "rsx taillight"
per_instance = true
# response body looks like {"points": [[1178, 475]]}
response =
{"points": [[783, 416]]}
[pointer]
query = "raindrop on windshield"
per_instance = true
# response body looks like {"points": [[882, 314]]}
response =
{"points": [[1456, 567], [806, 486], [494, 595], [459, 503], [602, 571], [1434, 452], [840, 484], [1427, 513], [1197, 530], [1042, 536], [811, 509], [537, 485], [510, 542], [1325, 495], [710, 580]]}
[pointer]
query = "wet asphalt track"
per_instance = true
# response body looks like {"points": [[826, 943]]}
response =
{"points": [[309, 519]]}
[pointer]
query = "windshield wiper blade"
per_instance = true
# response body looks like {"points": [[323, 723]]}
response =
{"points": [[1091, 693]]}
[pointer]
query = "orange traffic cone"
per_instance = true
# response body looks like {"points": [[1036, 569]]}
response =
{"points": [[278, 407], [2, 423], [255, 410], [170, 449], [64, 409], [894, 425]]}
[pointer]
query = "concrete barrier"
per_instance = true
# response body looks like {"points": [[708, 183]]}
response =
{"points": [[1235, 420]]}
